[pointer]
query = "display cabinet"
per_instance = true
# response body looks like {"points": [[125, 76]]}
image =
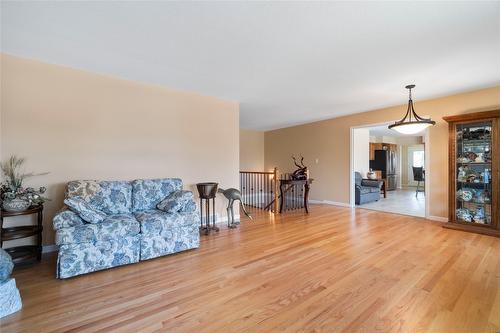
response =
{"points": [[474, 147]]}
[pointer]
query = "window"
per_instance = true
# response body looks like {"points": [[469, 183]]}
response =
{"points": [[418, 158]]}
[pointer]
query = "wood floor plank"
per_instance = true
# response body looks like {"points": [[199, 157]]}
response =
{"points": [[334, 270]]}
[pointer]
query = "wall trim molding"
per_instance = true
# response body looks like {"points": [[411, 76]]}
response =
{"points": [[437, 218], [332, 203], [50, 248]]}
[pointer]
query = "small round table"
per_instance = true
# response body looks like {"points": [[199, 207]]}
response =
{"points": [[26, 253]]}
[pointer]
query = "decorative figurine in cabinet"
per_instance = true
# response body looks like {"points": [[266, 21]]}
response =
{"points": [[474, 157]]}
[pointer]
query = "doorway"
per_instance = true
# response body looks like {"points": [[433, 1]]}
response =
{"points": [[416, 159], [393, 161]]}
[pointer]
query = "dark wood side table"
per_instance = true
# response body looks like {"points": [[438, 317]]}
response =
{"points": [[26, 253], [383, 188], [291, 183]]}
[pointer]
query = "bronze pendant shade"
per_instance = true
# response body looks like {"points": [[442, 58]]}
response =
{"points": [[411, 123]]}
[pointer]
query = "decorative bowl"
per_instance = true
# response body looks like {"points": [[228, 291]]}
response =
{"points": [[15, 205], [207, 190]]}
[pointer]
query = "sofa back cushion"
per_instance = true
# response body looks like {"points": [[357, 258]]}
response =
{"points": [[111, 197], [147, 193]]}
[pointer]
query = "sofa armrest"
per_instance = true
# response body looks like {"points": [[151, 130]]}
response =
{"points": [[66, 218], [372, 183]]}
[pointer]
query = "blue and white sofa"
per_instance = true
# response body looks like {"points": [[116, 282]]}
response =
{"points": [[128, 228], [10, 299]]}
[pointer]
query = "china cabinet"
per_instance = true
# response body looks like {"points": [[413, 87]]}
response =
{"points": [[474, 170]]}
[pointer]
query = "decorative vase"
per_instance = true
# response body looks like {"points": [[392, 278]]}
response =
{"points": [[15, 205], [371, 174]]}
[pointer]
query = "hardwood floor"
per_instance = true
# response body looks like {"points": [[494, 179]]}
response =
{"points": [[335, 270]]}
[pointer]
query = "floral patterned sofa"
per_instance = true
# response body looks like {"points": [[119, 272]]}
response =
{"points": [[131, 228]]}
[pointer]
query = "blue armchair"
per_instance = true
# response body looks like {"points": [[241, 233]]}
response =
{"points": [[367, 190]]}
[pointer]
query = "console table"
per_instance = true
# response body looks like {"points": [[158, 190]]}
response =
{"points": [[26, 253], [297, 201]]}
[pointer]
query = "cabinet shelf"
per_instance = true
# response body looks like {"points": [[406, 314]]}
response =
{"points": [[20, 232], [24, 254], [27, 253], [473, 163]]}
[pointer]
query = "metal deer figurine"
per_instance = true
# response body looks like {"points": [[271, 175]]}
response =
{"points": [[301, 172], [232, 195]]}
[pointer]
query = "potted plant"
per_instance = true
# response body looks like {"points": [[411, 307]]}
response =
{"points": [[13, 195]]}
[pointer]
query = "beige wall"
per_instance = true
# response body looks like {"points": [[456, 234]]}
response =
{"points": [[80, 125], [251, 150], [329, 142]]}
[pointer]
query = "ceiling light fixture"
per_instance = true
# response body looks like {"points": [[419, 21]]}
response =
{"points": [[411, 123]]}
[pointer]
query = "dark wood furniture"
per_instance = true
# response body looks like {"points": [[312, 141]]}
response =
{"points": [[26, 253], [383, 188], [299, 199], [207, 192], [474, 172]]}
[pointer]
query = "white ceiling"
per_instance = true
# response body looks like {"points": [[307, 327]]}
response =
{"points": [[286, 62]]}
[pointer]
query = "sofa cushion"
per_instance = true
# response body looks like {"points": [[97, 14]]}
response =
{"points": [[85, 210], [365, 190], [178, 201], [111, 197], [66, 218], [157, 222], [113, 227], [147, 193]]}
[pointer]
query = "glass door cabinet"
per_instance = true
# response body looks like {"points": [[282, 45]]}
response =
{"points": [[473, 172]]}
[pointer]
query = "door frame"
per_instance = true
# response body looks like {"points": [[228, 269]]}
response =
{"points": [[351, 164]]}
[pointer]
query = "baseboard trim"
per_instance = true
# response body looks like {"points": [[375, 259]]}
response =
{"points": [[223, 218], [328, 202], [437, 218], [50, 248]]}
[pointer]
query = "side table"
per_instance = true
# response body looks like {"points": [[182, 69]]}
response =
{"points": [[26, 253], [291, 183], [383, 188]]}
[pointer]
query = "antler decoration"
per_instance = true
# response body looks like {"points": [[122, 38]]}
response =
{"points": [[295, 162], [301, 172]]}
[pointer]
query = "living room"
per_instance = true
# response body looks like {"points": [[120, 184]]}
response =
{"points": [[190, 166]]}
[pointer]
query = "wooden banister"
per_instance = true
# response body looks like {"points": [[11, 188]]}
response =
{"points": [[259, 189]]}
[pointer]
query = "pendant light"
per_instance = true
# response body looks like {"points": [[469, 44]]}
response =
{"points": [[411, 123]]}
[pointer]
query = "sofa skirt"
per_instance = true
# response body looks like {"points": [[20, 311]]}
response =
{"points": [[180, 239], [82, 258]]}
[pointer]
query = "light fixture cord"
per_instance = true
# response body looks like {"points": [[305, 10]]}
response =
{"points": [[410, 104]]}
